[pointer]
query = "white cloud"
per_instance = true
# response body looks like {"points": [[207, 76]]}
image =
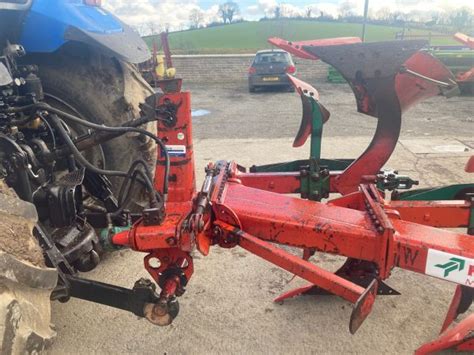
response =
{"points": [[327, 8], [267, 6], [156, 15], [174, 14], [407, 6], [252, 10]]}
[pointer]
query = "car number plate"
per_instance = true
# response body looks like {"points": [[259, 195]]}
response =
{"points": [[271, 78]]}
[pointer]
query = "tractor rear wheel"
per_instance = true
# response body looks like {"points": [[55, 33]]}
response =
{"points": [[25, 282], [102, 90]]}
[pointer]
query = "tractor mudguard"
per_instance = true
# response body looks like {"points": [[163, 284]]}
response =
{"points": [[49, 24]]}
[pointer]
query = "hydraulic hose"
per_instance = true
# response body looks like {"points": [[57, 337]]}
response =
{"points": [[99, 127]]}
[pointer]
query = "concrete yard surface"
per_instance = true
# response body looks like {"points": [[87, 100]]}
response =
{"points": [[228, 306]]}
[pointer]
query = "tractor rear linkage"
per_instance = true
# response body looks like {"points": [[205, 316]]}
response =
{"points": [[372, 223]]}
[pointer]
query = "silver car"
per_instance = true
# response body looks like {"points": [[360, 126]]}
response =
{"points": [[269, 68]]}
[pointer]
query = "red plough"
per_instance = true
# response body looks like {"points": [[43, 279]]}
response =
{"points": [[372, 223]]}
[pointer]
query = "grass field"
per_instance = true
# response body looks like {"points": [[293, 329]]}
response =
{"points": [[248, 37]]}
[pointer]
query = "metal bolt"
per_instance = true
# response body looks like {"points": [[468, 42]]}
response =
{"points": [[171, 241], [217, 232]]}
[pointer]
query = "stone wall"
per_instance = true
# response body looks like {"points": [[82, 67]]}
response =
{"points": [[233, 67]]}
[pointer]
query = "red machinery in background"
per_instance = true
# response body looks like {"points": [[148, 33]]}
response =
{"points": [[467, 76], [372, 223], [159, 71]]}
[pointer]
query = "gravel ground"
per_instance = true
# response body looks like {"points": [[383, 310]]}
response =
{"points": [[228, 307], [275, 114]]}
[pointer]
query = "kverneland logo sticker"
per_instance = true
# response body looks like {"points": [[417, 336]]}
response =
{"points": [[454, 264], [450, 267]]}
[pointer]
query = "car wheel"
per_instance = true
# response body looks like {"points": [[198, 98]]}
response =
{"points": [[290, 88], [252, 88]]}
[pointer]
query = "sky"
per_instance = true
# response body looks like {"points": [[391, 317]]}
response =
{"points": [[174, 14]]}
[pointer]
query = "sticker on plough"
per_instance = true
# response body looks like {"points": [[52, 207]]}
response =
{"points": [[176, 150], [450, 267]]}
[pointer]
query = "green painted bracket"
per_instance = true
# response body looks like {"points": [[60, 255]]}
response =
{"points": [[450, 192], [315, 181], [106, 234], [317, 130], [315, 153], [314, 172], [297, 165]]}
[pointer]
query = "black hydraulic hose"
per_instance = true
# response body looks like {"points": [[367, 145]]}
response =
{"points": [[50, 129], [126, 186], [19, 109], [120, 129], [128, 182], [125, 191], [132, 175], [77, 154], [125, 200]]}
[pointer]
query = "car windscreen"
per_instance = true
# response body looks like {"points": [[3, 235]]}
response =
{"points": [[272, 57]]}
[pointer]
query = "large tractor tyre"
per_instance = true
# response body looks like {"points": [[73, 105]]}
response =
{"points": [[102, 90], [25, 282]]}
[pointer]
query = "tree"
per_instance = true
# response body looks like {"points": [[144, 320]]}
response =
{"points": [[347, 9], [152, 28], [277, 12], [140, 29], [228, 10], [196, 17], [383, 13], [397, 17], [309, 12], [462, 19], [287, 11]]}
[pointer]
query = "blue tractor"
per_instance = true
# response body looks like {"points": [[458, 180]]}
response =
{"points": [[80, 59], [86, 59]]}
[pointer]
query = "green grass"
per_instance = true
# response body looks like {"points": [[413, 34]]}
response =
{"points": [[248, 37]]}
